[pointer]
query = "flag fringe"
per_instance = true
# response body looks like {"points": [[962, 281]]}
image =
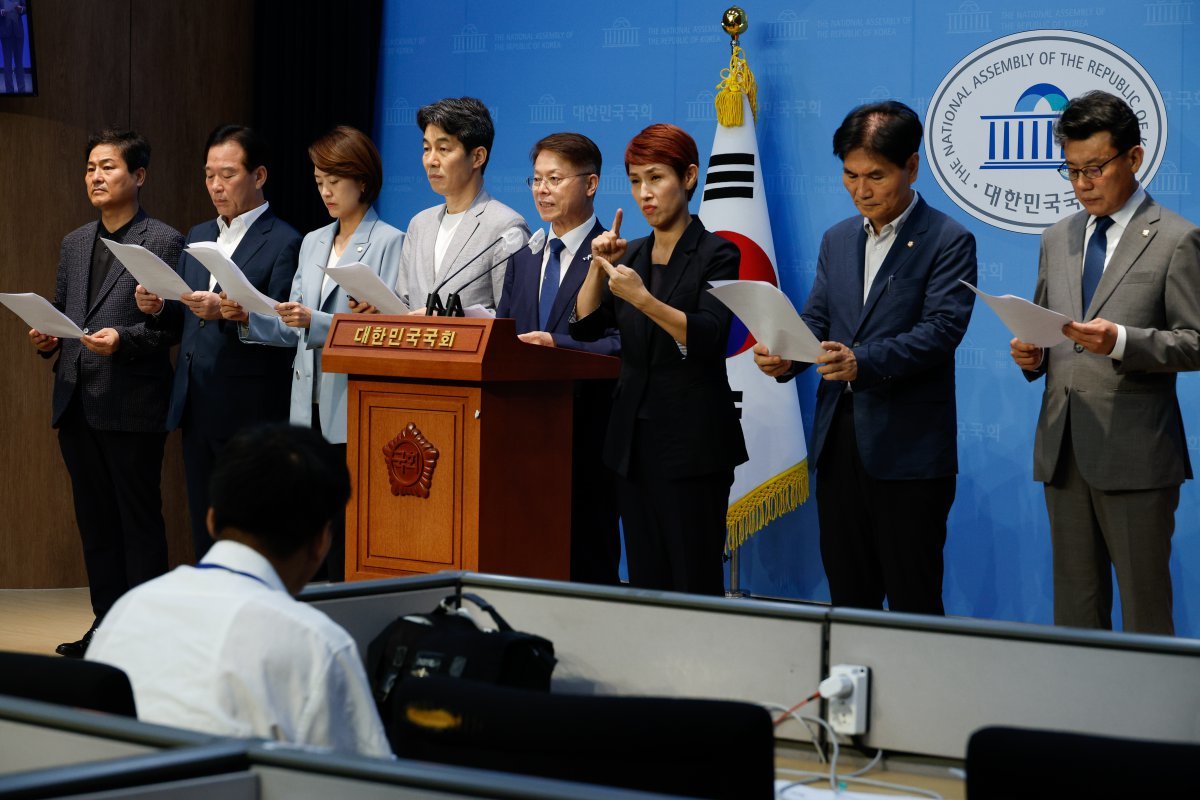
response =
{"points": [[736, 81], [766, 502]]}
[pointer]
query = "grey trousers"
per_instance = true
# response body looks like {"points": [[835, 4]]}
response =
{"points": [[1092, 532]]}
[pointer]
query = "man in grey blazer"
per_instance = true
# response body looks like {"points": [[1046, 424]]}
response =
{"points": [[111, 387], [457, 142], [1110, 446]]}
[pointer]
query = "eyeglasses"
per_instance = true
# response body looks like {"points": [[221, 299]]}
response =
{"points": [[553, 181], [1092, 173]]}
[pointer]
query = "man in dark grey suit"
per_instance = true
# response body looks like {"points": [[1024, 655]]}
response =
{"points": [[1110, 446], [112, 386]]}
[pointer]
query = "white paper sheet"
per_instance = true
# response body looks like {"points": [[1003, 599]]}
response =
{"points": [[233, 281], [479, 311], [771, 317], [361, 283], [154, 274], [1028, 322], [40, 315]]}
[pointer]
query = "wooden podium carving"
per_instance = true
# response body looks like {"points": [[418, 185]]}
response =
{"points": [[458, 443]]}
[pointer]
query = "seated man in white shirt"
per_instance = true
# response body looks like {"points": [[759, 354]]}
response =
{"points": [[223, 646]]}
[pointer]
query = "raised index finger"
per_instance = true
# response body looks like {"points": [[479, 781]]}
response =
{"points": [[616, 226]]}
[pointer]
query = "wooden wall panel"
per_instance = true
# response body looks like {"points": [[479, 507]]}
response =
{"points": [[171, 70]]}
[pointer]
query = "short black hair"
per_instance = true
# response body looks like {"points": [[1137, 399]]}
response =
{"points": [[254, 146], [465, 118], [889, 128], [281, 484], [1096, 111], [578, 150], [133, 147]]}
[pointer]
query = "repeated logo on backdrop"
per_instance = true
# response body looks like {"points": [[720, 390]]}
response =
{"points": [[989, 129]]}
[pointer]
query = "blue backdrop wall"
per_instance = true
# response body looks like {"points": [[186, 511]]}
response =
{"points": [[610, 69]]}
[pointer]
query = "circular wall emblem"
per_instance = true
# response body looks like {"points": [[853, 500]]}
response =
{"points": [[989, 131]]}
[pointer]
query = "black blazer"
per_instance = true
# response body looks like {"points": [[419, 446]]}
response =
{"points": [[687, 398], [127, 391]]}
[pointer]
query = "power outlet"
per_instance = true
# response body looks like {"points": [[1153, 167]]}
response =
{"points": [[849, 715]]}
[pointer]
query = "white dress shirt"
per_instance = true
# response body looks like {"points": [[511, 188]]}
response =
{"points": [[222, 647], [230, 235], [572, 240], [880, 244], [1120, 221]]}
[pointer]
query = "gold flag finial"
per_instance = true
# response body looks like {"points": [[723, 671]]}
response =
{"points": [[738, 80], [734, 22]]}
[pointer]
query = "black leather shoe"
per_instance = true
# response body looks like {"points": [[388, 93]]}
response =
{"points": [[76, 649]]}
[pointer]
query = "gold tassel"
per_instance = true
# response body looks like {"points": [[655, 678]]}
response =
{"points": [[765, 503], [736, 81]]}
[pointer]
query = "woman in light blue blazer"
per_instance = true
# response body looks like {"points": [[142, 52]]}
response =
{"points": [[348, 173]]}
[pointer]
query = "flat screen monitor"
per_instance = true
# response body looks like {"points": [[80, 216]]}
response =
{"points": [[17, 73]]}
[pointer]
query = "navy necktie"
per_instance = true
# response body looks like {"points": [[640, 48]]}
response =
{"points": [[550, 283], [1093, 260]]}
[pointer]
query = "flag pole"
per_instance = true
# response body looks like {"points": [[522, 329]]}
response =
{"points": [[735, 22]]}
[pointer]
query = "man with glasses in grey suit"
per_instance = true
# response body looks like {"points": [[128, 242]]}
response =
{"points": [[1110, 446]]}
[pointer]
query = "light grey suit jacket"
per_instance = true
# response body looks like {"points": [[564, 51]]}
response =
{"points": [[1126, 428], [484, 222], [376, 244]]}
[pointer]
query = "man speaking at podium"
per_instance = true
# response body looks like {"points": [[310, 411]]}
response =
{"points": [[539, 293]]}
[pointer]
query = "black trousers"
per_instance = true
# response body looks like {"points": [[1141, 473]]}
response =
{"points": [[115, 480], [200, 450], [595, 526], [674, 526], [334, 566], [879, 538]]}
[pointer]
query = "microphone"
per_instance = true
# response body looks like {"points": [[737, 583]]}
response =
{"points": [[537, 241], [433, 303], [454, 305]]}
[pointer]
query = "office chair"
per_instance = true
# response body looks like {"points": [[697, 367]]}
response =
{"points": [[67, 682], [700, 748], [1031, 764]]}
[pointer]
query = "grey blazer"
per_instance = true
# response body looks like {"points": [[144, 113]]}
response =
{"points": [[483, 223], [1126, 428], [127, 391], [376, 244]]}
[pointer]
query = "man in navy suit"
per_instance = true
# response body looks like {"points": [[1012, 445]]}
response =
{"points": [[223, 384], [539, 293], [111, 386], [890, 311]]}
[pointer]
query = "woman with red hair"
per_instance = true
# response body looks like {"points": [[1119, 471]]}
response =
{"points": [[673, 436]]}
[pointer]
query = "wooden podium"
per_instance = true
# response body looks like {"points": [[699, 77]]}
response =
{"points": [[459, 445]]}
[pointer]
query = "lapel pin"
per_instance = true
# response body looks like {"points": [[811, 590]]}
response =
{"points": [[910, 243], [1145, 231], [360, 248]]}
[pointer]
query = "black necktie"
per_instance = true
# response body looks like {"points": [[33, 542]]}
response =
{"points": [[1093, 260]]}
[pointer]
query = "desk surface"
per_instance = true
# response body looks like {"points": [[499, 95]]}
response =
{"points": [[920, 775]]}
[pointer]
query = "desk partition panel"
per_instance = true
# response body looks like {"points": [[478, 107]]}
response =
{"points": [[615, 640], [37, 735], [935, 681]]}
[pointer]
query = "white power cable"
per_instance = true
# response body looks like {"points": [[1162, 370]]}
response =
{"points": [[833, 777]]}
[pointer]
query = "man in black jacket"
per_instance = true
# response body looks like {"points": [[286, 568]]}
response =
{"points": [[111, 386]]}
